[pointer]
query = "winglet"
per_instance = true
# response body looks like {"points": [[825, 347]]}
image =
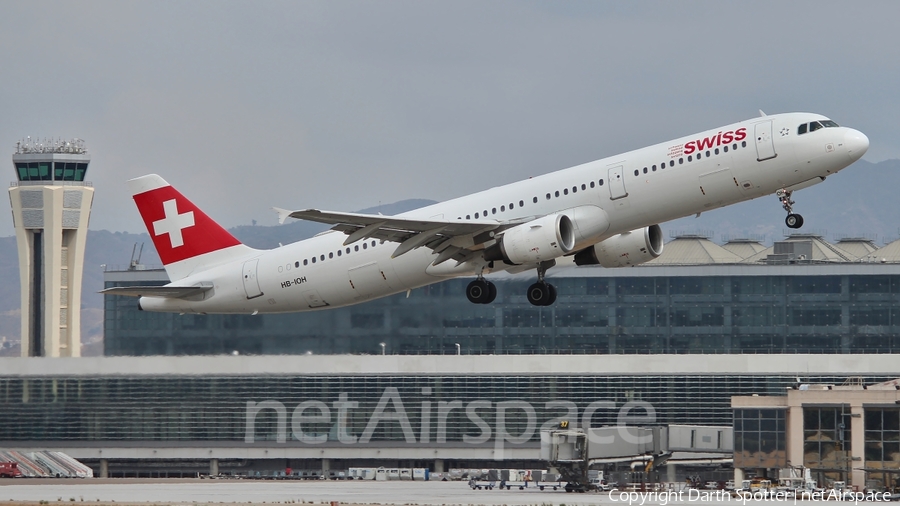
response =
{"points": [[283, 214]]}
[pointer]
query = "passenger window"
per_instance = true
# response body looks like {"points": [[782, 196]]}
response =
{"points": [[314, 259], [493, 210], [574, 189], [565, 191], [601, 182], [356, 248], [556, 193], [671, 163], [535, 199], [339, 252], [296, 264], [305, 261], [476, 216], [484, 213], [502, 208], [707, 154], [511, 206], [645, 170], [690, 158], [348, 250], [322, 257], [743, 144], [468, 216], [365, 245], [680, 161], [583, 187], [548, 196], [717, 151], [522, 202], [635, 172], [592, 184], [373, 244], [654, 168], [699, 156], [330, 255], [734, 146], [725, 149]]}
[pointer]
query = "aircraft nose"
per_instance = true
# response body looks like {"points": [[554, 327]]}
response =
{"points": [[856, 143]]}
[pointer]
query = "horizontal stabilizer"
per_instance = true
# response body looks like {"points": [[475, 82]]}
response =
{"points": [[173, 292]]}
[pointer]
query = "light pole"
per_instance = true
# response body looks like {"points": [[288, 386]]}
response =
{"points": [[382, 347], [457, 349]]}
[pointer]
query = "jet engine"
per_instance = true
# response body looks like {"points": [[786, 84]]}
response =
{"points": [[545, 238], [630, 248]]}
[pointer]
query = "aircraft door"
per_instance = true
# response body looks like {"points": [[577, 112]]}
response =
{"points": [[765, 145], [617, 183], [251, 282]]}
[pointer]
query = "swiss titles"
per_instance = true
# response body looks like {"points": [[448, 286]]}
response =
{"points": [[714, 141]]}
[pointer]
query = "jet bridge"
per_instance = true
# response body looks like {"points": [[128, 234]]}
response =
{"points": [[573, 451]]}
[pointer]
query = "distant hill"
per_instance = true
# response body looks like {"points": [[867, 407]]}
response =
{"points": [[113, 250]]}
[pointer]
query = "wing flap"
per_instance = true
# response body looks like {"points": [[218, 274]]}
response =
{"points": [[172, 292]]}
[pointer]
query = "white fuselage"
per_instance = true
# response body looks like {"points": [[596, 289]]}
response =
{"points": [[771, 156]]}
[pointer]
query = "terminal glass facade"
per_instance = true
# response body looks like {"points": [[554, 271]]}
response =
{"points": [[826, 438], [883, 439], [759, 438], [450, 409], [837, 308]]}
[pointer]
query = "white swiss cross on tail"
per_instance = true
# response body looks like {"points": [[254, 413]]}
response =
{"points": [[173, 223]]}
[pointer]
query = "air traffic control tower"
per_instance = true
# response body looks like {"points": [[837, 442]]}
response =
{"points": [[51, 205]]}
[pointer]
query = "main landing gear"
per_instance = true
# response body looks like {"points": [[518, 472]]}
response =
{"points": [[792, 220], [481, 291], [542, 293]]}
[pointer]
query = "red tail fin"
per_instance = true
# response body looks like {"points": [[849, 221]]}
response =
{"points": [[181, 232]]}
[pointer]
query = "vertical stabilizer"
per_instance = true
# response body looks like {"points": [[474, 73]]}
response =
{"points": [[187, 240]]}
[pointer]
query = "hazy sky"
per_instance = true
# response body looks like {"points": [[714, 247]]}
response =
{"points": [[343, 105]]}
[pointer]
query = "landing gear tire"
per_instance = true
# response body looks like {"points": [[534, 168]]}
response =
{"points": [[481, 291], [541, 294], [492, 292], [793, 221]]}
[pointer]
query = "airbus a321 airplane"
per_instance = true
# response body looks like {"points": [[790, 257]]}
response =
{"points": [[604, 212]]}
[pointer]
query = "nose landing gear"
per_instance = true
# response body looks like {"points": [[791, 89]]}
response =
{"points": [[792, 220], [542, 293]]}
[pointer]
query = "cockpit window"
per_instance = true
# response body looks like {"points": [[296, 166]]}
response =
{"points": [[815, 125]]}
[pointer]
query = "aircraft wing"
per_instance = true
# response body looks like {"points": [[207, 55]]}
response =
{"points": [[455, 239], [177, 292]]}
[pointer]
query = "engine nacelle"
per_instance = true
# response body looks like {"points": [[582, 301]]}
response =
{"points": [[536, 241], [630, 248]]}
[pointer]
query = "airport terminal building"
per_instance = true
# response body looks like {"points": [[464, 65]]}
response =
{"points": [[803, 295], [458, 385]]}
